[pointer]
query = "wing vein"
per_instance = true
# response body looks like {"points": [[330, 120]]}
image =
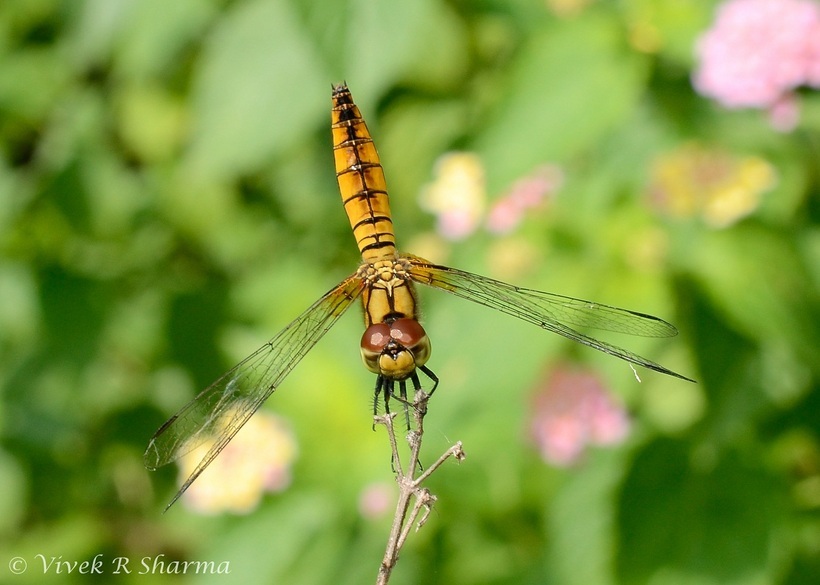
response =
{"points": [[549, 311], [217, 413]]}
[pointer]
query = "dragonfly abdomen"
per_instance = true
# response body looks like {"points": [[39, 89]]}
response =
{"points": [[361, 179]]}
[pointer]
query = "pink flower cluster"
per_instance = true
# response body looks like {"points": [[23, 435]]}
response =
{"points": [[256, 461], [758, 51], [572, 411], [457, 196], [507, 213]]}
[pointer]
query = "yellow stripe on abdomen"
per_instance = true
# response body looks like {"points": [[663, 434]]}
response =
{"points": [[361, 179]]}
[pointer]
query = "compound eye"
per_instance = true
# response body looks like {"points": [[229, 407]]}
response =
{"points": [[376, 338], [408, 332]]}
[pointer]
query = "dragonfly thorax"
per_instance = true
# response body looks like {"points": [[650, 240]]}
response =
{"points": [[385, 273], [388, 293], [394, 350]]}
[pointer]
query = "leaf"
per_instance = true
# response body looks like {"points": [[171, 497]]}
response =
{"points": [[582, 523], [370, 43], [381, 38], [287, 528], [685, 519], [572, 84], [259, 88], [155, 33], [756, 278]]}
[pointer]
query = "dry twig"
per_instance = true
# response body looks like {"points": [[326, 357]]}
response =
{"points": [[409, 486]]}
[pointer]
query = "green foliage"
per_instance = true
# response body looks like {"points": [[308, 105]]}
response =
{"points": [[168, 203]]}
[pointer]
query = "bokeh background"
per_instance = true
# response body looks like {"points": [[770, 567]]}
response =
{"points": [[168, 203]]}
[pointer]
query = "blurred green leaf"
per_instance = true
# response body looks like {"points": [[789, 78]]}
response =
{"points": [[75, 310], [682, 519], [31, 82], [156, 34], [728, 372], [372, 43], [193, 324], [571, 84], [758, 281], [13, 490], [582, 524], [153, 123], [258, 89], [669, 26], [296, 522]]}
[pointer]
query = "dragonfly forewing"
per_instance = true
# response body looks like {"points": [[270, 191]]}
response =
{"points": [[218, 412], [549, 311]]}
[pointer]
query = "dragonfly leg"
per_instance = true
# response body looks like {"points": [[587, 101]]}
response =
{"points": [[387, 392], [384, 386], [376, 393], [432, 376], [403, 400]]}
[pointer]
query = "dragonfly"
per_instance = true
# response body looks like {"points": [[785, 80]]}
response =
{"points": [[394, 345]]}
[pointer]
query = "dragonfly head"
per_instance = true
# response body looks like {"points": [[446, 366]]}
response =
{"points": [[394, 350]]}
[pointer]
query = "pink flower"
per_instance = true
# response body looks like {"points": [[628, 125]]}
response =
{"points": [[376, 500], [257, 460], [758, 51], [505, 215], [572, 411], [529, 192], [456, 195], [784, 113]]}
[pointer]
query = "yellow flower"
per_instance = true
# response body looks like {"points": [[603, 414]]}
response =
{"points": [[718, 186], [457, 194], [257, 460]]}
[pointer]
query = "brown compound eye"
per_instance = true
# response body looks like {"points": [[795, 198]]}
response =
{"points": [[412, 336], [408, 332], [396, 350], [376, 337]]}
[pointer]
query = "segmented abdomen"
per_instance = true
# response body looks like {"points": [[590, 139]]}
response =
{"points": [[361, 179]]}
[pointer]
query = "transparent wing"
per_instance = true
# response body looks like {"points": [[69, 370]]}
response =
{"points": [[218, 412], [549, 311]]}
